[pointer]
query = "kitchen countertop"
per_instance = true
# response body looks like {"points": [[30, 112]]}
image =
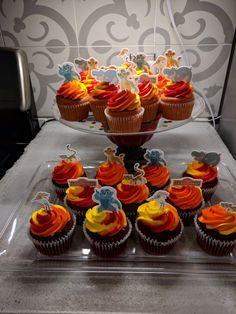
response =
{"points": [[193, 291]]}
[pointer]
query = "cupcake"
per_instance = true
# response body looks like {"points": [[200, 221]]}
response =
{"points": [[148, 93], [156, 171], [111, 172], [216, 229], [132, 192], [51, 227], [204, 167], [161, 83], [99, 97], [106, 227], [79, 196], [186, 196], [68, 168], [72, 100], [158, 225]]}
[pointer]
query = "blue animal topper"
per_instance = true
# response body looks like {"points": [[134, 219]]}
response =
{"points": [[178, 74], [159, 196], [155, 157], [107, 199], [211, 159], [43, 199], [67, 71]]}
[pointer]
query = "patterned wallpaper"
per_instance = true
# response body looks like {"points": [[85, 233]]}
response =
{"points": [[54, 31]]}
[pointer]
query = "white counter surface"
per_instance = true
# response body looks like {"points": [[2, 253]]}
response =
{"points": [[195, 292]]}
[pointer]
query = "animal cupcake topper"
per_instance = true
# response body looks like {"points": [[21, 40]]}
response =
{"points": [[137, 179], [183, 73], [72, 154], [155, 157], [82, 181], [187, 181], [171, 61], [42, 198], [211, 159], [228, 206], [112, 158], [68, 72], [126, 82], [106, 75], [140, 59], [81, 65], [127, 62], [159, 196], [107, 199], [92, 65], [160, 63]]}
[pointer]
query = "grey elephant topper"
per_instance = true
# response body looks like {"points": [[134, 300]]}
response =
{"points": [[103, 75], [67, 71], [155, 157], [178, 74], [210, 159], [107, 199], [228, 206]]}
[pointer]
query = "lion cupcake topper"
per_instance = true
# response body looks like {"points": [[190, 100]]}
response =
{"points": [[112, 158]]}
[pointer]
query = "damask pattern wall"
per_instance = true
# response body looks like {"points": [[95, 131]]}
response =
{"points": [[54, 31]]}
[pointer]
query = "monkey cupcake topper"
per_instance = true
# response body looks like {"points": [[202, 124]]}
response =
{"points": [[107, 199], [155, 157]]}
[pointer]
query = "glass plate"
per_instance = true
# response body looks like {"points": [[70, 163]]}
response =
{"points": [[18, 253]]}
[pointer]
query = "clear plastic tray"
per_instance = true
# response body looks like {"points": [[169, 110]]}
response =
{"points": [[18, 253]]}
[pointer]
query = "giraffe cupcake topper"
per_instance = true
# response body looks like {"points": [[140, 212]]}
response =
{"points": [[42, 198], [72, 156]]}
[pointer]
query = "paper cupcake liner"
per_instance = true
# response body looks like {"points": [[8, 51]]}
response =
{"points": [[98, 107], [61, 192], [74, 112], [79, 214], [208, 192], [150, 110], [130, 123], [211, 245], [107, 249], [187, 217], [56, 247], [153, 246], [176, 111]]}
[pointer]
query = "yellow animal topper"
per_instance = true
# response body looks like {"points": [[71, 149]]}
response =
{"points": [[112, 158], [171, 61], [92, 65]]}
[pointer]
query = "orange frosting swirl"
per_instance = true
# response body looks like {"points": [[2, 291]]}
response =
{"points": [[67, 170], [185, 196], [104, 90], [198, 170], [158, 176], [178, 90], [124, 100], [128, 193], [105, 223], [110, 174], [161, 81], [219, 219], [74, 90], [80, 196], [48, 223], [147, 90], [156, 218]]}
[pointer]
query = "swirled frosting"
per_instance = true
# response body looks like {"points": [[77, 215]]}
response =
{"points": [[147, 90], [219, 219], [178, 90], [128, 193], [161, 81], [158, 176], [105, 223], [104, 90], [80, 196], [74, 90], [185, 196], [124, 100], [47, 223], [198, 170], [156, 218], [110, 174], [67, 170]]}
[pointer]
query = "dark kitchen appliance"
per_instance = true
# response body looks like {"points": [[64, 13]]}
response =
{"points": [[18, 116]]}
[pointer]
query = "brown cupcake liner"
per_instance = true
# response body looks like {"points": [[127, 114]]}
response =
{"points": [[98, 107], [56, 247], [150, 110], [211, 245], [74, 112], [107, 249], [153, 246], [176, 111], [208, 192], [61, 192], [79, 214], [123, 124]]}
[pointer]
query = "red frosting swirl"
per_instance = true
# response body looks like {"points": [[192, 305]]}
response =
{"points": [[104, 90], [67, 170], [80, 196], [202, 171], [73, 90], [158, 176], [178, 90], [128, 194], [124, 100], [147, 90], [185, 196], [161, 81]]}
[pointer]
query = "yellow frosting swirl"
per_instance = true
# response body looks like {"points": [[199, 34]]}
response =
{"points": [[156, 218], [105, 223]]}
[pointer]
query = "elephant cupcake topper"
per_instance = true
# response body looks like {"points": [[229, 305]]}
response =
{"points": [[229, 206], [155, 157], [137, 179], [106, 75], [82, 181], [159, 196], [187, 181], [112, 158], [42, 198], [72, 154], [211, 159], [107, 199], [183, 73], [68, 72]]}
